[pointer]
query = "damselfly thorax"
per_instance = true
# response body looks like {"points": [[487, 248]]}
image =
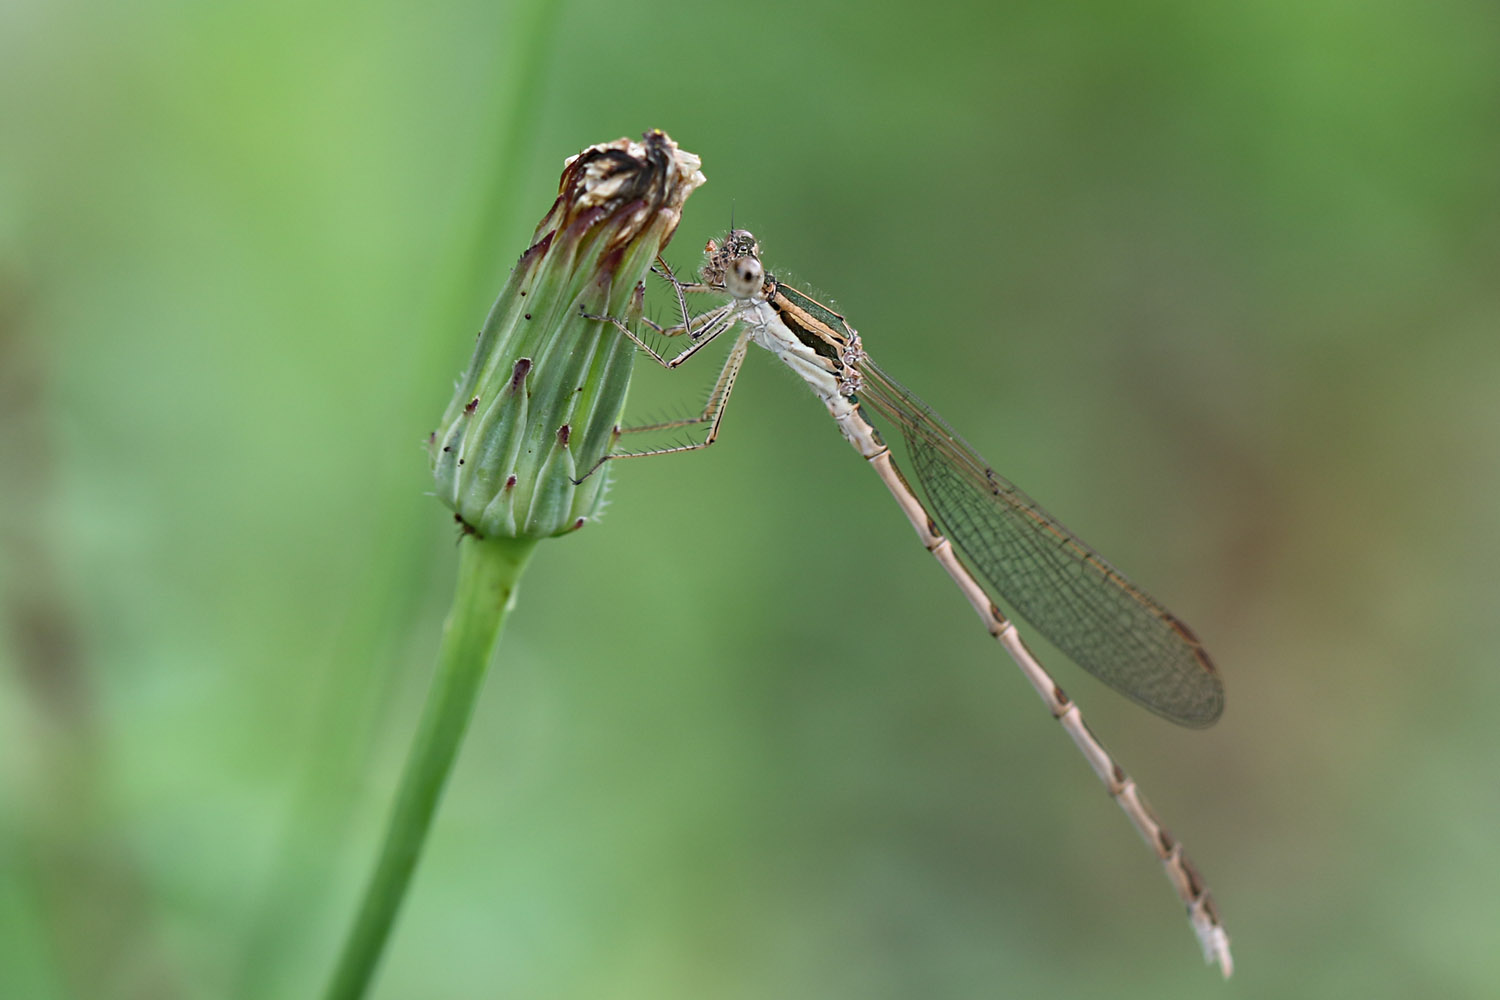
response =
{"points": [[734, 267]]}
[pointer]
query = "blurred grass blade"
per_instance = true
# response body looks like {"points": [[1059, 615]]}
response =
{"points": [[355, 691]]}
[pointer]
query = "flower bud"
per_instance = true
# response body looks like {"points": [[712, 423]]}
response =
{"points": [[539, 406]]}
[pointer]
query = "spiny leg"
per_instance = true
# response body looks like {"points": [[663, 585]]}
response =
{"points": [[713, 413], [700, 329], [710, 324], [662, 268], [681, 290]]}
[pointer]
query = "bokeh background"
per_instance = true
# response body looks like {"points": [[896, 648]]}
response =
{"points": [[1216, 283]]}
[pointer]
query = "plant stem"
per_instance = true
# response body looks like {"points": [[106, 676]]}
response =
{"points": [[488, 572]]}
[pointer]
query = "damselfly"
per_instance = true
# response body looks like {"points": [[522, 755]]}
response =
{"points": [[1059, 585]]}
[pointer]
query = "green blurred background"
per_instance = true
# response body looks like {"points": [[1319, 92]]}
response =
{"points": [[1216, 283]]}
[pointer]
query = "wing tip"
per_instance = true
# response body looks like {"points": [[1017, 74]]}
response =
{"points": [[1211, 707]]}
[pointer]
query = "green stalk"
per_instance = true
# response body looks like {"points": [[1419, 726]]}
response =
{"points": [[488, 573]]}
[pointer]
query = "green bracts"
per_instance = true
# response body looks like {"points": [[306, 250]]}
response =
{"points": [[539, 406]]}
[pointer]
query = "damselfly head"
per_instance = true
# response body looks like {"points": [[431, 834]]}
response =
{"points": [[734, 264]]}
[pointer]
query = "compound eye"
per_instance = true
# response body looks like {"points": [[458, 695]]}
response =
{"points": [[744, 277]]}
